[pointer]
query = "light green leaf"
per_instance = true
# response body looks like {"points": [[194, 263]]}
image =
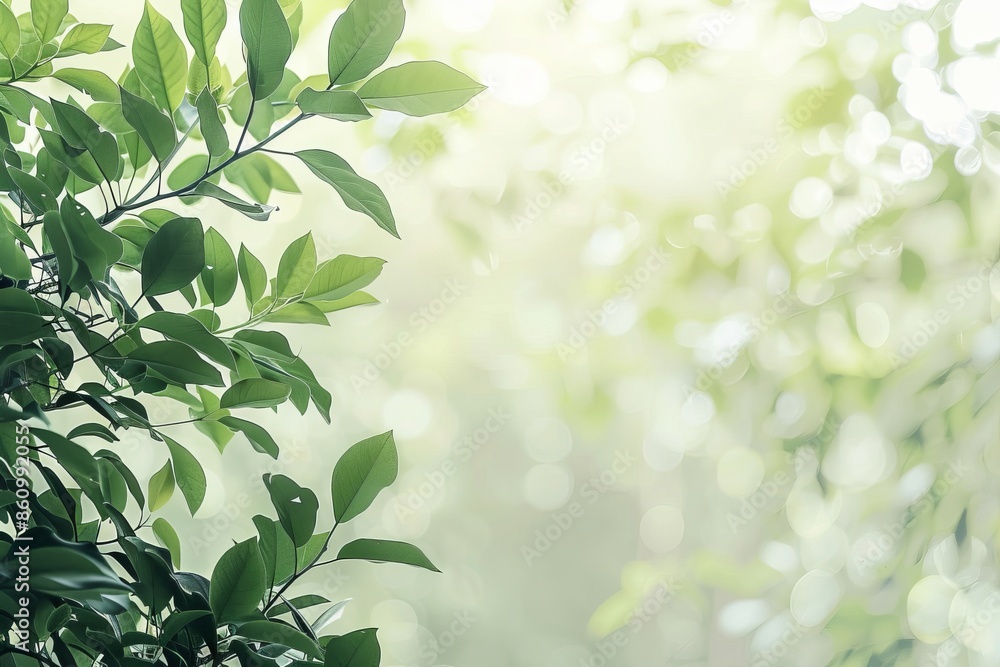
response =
{"points": [[365, 469], [296, 507], [358, 193], [10, 32], [160, 59], [47, 16], [154, 128], [96, 84], [255, 393], [420, 89], [237, 583], [362, 38], [344, 105], [14, 263], [189, 475], [342, 276], [212, 128], [167, 536], [160, 487], [298, 313], [84, 38], [173, 257], [204, 21], [296, 267], [253, 275], [268, 45], [258, 212], [386, 551], [352, 301]]}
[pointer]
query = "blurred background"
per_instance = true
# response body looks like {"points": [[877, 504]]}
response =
{"points": [[689, 346]]}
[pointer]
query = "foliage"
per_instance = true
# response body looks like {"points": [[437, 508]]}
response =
{"points": [[86, 182]]}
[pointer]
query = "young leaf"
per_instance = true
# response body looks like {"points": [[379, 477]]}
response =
{"points": [[342, 276], [359, 194], [268, 42], [160, 487], [296, 507], [212, 128], [255, 393], [160, 59], [47, 16], [237, 582], [155, 129], [365, 469], [420, 89], [355, 649], [84, 38], [296, 267], [173, 257], [362, 38], [167, 536], [204, 21], [386, 551], [344, 105], [253, 275], [189, 475]]}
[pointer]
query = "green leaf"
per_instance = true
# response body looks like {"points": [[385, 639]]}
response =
{"points": [[296, 507], [38, 195], [359, 194], [300, 602], [189, 475], [268, 45], [10, 32], [14, 262], [160, 59], [177, 621], [296, 267], [272, 632], [177, 362], [386, 551], [420, 89], [173, 257], [344, 105], [237, 584], [47, 16], [84, 38], [355, 649], [258, 212], [186, 329], [298, 313], [362, 38], [167, 536], [220, 273], [342, 276], [259, 438], [253, 275], [255, 393], [154, 128], [365, 469], [96, 84], [160, 487], [212, 128], [204, 21]]}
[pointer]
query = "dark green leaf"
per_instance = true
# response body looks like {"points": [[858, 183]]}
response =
{"points": [[296, 507], [173, 257], [272, 632], [386, 551], [155, 129], [186, 329], [211, 125], [259, 438], [177, 362], [237, 582], [359, 194], [189, 475], [356, 649]]}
